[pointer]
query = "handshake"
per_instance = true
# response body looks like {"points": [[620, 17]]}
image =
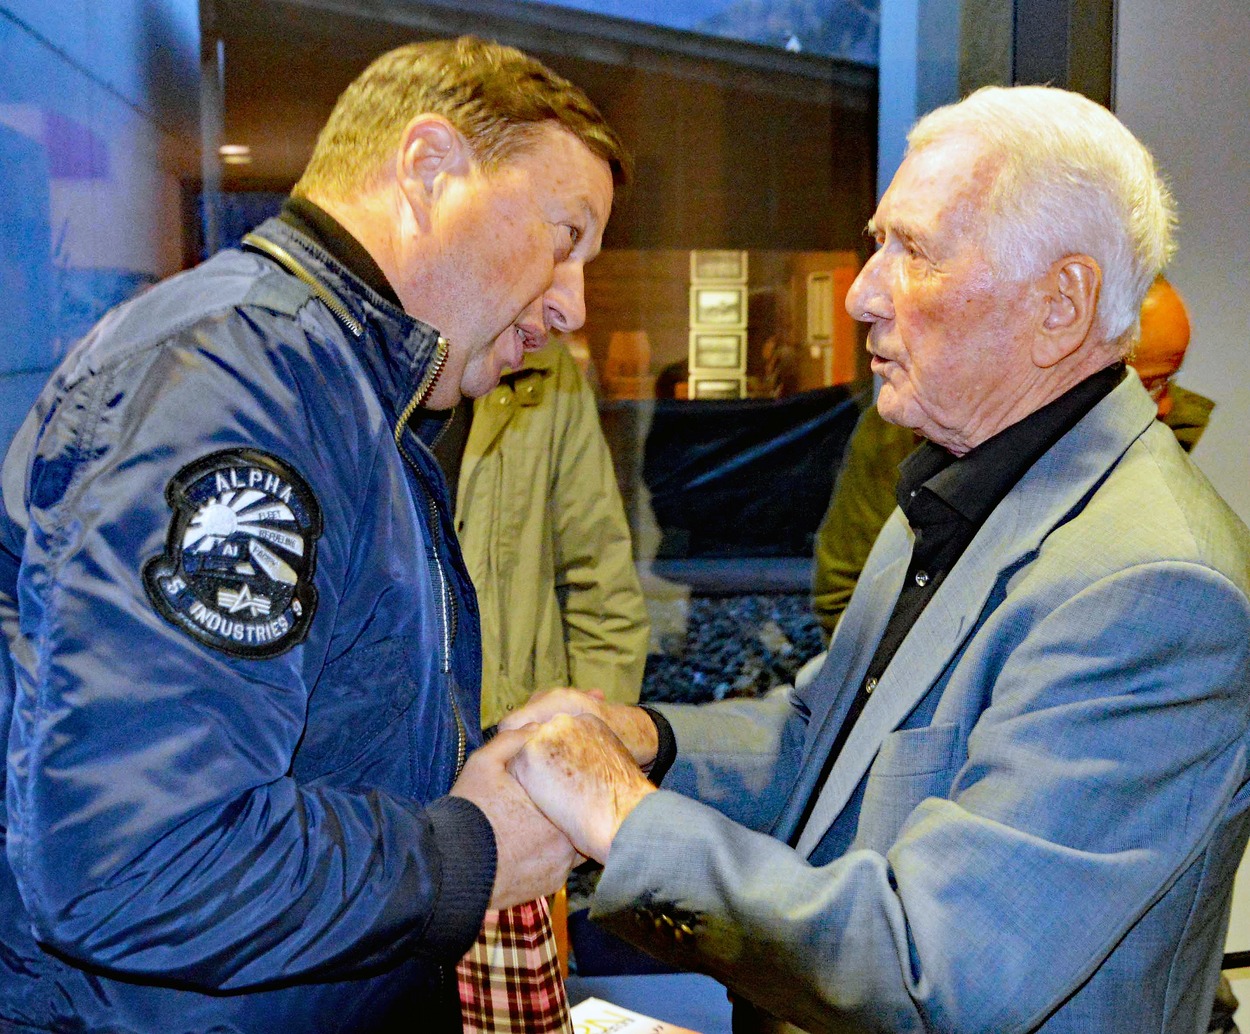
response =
{"points": [[556, 783]]}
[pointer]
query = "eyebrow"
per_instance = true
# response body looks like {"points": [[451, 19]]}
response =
{"points": [[900, 229], [589, 220]]}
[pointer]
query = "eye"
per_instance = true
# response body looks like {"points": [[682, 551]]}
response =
{"points": [[575, 235]]}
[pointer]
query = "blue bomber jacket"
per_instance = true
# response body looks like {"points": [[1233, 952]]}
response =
{"points": [[242, 670]]}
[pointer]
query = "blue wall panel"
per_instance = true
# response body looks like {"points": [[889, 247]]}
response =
{"points": [[99, 110]]}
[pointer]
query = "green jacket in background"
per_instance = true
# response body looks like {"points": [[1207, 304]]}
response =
{"points": [[863, 497], [547, 543]]}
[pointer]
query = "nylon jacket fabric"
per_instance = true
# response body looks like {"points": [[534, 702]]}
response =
{"points": [[545, 538], [197, 839]]}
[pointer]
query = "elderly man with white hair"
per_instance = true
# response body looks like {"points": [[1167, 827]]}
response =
{"points": [[1015, 796]]}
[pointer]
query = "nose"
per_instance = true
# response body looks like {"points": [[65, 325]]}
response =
{"points": [[564, 304], [869, 299]]}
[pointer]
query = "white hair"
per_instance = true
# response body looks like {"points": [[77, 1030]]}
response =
{"points": [[1071, 180]]}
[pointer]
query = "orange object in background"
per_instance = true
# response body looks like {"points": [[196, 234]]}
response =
{"points": [[629, 354], [627, 372], [1161, 346], [560, 926], [842, 364]]}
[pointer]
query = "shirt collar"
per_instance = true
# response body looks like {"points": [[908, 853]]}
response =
{"points": [[934, 485]]}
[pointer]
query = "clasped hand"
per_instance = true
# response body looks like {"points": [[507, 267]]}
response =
{"points": [[584, 764], [555, 783]]}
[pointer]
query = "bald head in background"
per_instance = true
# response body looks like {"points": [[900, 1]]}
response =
{"points": [[1158, 355], [1164, 340]]}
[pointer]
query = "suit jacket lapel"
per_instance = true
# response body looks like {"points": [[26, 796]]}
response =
{"points": [[1052, 489], [834, 688]]}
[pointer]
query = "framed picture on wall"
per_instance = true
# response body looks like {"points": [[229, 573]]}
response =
{"points": [[820, 308], [728, 266], [717, 387], [718, 306], [718, 350]]}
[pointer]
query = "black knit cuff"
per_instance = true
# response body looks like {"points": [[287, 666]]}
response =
{"points": [[466, 842], [666, 749]]}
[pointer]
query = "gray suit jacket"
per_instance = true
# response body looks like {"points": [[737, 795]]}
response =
{"points": [[1035, 823]]}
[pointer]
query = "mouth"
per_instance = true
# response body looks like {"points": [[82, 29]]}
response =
{"points": [[529, 337], [532, 338], [524, 338], [878, 358]]}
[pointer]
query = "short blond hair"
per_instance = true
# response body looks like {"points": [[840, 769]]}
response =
{"points": [[496, 97], [1070, 178]]}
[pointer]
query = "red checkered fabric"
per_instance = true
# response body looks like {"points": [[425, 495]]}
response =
{"points": [[510, 980]]}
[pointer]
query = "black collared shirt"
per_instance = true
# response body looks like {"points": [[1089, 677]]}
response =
{"points": [[450, 446], [946, 499]]}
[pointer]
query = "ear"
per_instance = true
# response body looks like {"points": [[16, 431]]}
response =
{"points": [[430, 148], [1069, 305]]}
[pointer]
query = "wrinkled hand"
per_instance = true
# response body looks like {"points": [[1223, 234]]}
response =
{"points": [[632, 725], [534, 857], [583, 778]]}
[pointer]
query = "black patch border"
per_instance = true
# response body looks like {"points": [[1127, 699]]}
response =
{"points": [[169, 562]]}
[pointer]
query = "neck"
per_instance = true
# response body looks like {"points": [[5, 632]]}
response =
{"points": [[374, 230], [1039, 388]]}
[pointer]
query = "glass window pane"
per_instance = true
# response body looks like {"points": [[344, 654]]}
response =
{"points": [[834, 28], [753, 127]]}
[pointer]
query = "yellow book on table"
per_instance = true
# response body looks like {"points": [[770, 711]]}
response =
{"points": [[595, 1016]]}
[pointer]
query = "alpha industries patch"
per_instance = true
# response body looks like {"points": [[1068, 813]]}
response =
{"points": [[237, 571]]}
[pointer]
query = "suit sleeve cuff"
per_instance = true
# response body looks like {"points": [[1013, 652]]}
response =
{"points": [[466, 843]]}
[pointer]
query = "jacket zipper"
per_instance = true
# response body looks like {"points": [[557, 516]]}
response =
{"points": [[288, 262], [448, 608], [449, 633]]}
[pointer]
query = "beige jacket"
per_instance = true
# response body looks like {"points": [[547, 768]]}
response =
{"points": [[546, 541]]}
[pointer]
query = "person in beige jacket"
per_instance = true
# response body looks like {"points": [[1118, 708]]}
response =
{"points": [[547, 544]]}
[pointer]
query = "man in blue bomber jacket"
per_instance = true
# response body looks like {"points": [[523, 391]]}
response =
{"points": [[240, 702]]}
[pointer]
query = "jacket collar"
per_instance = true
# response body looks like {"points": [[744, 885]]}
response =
{"points": [[1054, 489], [402, 354], [521, 388]]}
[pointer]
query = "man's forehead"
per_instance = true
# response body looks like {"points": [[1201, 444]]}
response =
{"points": [[570, 170], [945, 180]]}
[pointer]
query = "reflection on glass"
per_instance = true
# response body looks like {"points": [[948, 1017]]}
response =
{"points": [[98, 131], [832, 28]]}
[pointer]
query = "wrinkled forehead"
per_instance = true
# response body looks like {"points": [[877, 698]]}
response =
{"points": [[945, 183]]}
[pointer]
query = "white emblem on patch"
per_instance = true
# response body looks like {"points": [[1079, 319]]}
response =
{"points": [[238, 563]]}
